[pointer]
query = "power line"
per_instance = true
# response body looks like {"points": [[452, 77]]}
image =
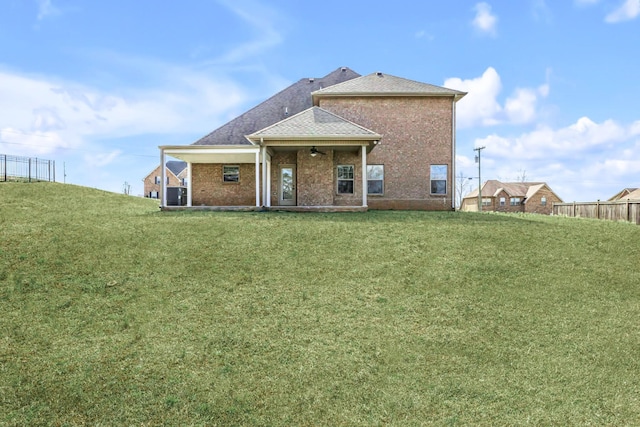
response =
{"points": [[71, 148]]}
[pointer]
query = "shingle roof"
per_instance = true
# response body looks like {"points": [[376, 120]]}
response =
{"points": [[493, 187], [315, 122], [386, 84], [286, 103], [627, 193], [176, 166]]}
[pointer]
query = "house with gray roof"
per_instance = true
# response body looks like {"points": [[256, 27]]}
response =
{"points": [[497, 196], [343, 142], [175, 176]]}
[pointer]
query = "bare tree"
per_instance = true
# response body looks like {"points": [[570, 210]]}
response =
{"points": [[522, 176], [463, 186]]}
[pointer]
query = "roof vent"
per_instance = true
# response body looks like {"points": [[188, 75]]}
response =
{"points": [[286, 111], [379, 73], [343, 69], [311, 80]]}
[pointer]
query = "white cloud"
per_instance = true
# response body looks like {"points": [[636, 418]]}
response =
{"points": [[585, 2], [583, 161], [480, 107], [261, 20], [629, 10], [41, 114], [485, 22], [45, 9]]}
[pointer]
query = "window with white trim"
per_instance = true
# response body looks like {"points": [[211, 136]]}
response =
{"points": [[503, 201], [375, 179], [486, 202], [543, 201], [515, 201], [230, 174], [439, 179], [345, 179], [157, 180]]}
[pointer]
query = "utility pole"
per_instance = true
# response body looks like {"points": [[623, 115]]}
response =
{"points": [[479, 150]]}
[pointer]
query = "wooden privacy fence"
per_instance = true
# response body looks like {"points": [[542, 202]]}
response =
{"points": [[620, 210], [18, 168]]}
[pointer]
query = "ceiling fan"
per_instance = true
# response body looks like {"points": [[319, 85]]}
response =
{"points": [[315, 152]]}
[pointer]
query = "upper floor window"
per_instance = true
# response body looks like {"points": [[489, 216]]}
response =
{"points": [[375, 179], [543, 201], [345, 179], [439, 179], [230, 173], [157, 180]]}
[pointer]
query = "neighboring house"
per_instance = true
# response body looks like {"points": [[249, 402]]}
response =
{"points": [[341, 142], [531, 197], [175, 176], [627, 194]]}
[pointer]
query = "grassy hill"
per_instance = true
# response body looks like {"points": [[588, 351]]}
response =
{"points": [[114, 313]]}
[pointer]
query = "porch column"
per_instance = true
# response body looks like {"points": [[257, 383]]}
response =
{"points": [[189, 200], [364, 176], [163, 180], [264, 175], [268, 182], [257, 178]]}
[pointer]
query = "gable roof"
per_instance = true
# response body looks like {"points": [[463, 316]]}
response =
{"points": [[626, 193], [173, 166], [176, 166], [493, 187], [286, 103], [380, 84], [315, 122]]}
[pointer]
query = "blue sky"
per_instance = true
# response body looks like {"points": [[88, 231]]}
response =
{"points": [[554, 87]]}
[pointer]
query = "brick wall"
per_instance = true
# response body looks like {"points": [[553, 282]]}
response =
{"points": [[150, 181], [534, 203], [417, 133], [208, 189]]}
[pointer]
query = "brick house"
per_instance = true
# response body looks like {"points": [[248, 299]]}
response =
{"points": [[175, 176], [530, 197], [340, 142], [626, 194]]}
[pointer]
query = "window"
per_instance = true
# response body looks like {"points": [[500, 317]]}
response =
{"points": [[503, 201], [157, 181], [439, 179], [515, 201], [231, 174], [543, 201], [345, 179], [183, 182], [486, 202], [153, 194], [375, 179]]}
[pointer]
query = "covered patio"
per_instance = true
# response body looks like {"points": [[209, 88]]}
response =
{"points": [[294, 165]]}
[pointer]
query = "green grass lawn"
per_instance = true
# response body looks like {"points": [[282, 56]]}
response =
{"points": [[113, 313]]}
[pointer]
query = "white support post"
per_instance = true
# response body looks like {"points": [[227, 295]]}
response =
{"points": [[163, 180], [364, 176], [264, 176], [258, 178], [268, 183], [189, 186]]}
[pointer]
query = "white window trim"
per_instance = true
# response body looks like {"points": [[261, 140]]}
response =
{"points": [[224, 175], [353, 180], [446, 180], [382, 180]]}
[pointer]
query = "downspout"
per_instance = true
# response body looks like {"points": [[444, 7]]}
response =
{"points": [[163, 180], [453, 154]]}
